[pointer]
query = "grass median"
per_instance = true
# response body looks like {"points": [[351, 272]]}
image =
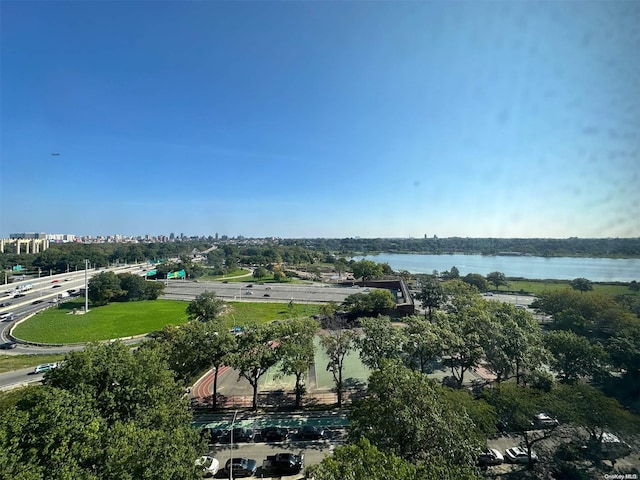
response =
{"points": [[117, 320], [61, 325]]}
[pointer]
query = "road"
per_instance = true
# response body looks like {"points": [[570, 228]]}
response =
{"points": [[254, 292]]}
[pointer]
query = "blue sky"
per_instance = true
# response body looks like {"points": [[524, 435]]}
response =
{"points": [[321, 119]]}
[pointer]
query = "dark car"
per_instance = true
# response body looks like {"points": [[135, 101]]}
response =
{"points": [[266, 295], [35, 302], [8, 346], [240, 434], [213, 435], [250, 285], [309, 432], [284, 463], [490, 457], [242, 467], [274, 434], [56, 286], [5, 304]]}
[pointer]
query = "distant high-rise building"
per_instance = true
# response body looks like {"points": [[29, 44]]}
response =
{"points": [[172, 236]]}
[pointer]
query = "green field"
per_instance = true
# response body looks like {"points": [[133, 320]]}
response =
{"points": [[243, 312], [59, 325], [534, 287]]}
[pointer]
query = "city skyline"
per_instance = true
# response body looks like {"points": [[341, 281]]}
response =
{"points": [[321, 120]]}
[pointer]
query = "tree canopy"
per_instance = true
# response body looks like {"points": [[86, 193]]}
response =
{"points": [[105, 413]]}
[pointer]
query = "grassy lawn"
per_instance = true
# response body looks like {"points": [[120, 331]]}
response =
{"points": [[240, 313], [535, 287], [240, 272], [9, 363], [59, 325]]}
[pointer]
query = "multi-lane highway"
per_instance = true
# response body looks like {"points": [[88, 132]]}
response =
{"points": [[43, 294]]}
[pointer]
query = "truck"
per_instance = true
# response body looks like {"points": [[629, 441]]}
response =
{"points": [[63, 295], [284, 463]]}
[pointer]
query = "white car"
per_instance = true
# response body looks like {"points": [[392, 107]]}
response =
{"points": [[45, 367], [519, 455], [209, 465]]}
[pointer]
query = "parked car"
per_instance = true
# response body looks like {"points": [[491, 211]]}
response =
{"points": [[490, 457], [542, 420], [274, 434], [519, 455], [8, 346], [284, 463], [213, 435], [209, 465], [45, 367], [241, 467], [309, 432], [240, 434]]}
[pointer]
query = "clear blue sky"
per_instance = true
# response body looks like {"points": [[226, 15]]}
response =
{"points": [[321, 119]]}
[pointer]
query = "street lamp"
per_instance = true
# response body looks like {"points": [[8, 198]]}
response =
{"points": [[86, 286], [231, 448]]}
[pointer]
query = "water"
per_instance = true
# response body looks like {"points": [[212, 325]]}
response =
{"points": [[560, 268]]}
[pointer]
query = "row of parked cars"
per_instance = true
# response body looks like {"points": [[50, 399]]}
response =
{"points": [[512, 455], [268, 434], [278, 464]]}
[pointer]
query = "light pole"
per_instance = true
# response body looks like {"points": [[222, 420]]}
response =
{"points": [[86, 285], [231, 448]]}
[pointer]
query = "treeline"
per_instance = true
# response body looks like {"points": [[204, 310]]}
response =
{"points": [[544, 247]]}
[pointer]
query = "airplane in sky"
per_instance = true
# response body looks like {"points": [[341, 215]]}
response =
{"points": [[55, 154]]}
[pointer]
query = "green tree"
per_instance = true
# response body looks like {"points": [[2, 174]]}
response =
{"points": [[195, 347], [581, 284], [512, 342], [517, 407], [464, 341], [337, 343], [297, 351], [573, 357], [407, 414], [259, 272], [205, 307], [256, 353], [498, 279], [367, 270], [425, 341], [431, 295], [477, 281], [589, 408], [105, 413], [104, 288], [377, 302], [381, 340], [363, 461], [123, 385], [135, 288]]}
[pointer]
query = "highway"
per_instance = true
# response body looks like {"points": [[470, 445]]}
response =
{"points": [[254, 292]]}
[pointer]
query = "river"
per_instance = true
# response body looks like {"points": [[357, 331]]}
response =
{"points": [[559, 268]]}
